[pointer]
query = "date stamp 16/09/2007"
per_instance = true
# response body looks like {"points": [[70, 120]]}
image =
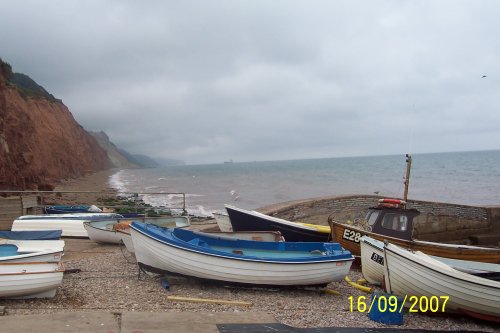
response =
{"points": [[394, 304]]}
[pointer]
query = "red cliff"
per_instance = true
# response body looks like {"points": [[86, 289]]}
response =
{"points": [[40, 141]]}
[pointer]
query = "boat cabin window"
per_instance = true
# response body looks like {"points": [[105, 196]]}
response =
{"points": [[372, 217], [396, 222]]}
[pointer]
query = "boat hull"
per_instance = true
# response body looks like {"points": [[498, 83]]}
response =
{"points": [[161, 255], [30, 280], [243, 220], [349, 237], [70, 224], [407, 273], [372, 262]]}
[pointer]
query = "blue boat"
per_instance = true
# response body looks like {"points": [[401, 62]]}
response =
{"points": [[32, 235], [65, 209], [188, 253]]}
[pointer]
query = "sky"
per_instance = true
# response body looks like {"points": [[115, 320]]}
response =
{"points": [[211, 81]]}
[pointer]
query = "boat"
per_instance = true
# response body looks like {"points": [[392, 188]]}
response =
{"points": [[32, 235], [425, 278], [184, 252], [70, 224], [11, 253], [245, 220], [223, 222], [396, 225], [372, 262], [71, 209], [105, 231], [30, 279], [65, 209]]}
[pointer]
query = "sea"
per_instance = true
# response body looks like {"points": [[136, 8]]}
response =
{"points": [[469, 178]]}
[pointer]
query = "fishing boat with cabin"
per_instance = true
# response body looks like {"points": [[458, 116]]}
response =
{"points": [[394, 221]]}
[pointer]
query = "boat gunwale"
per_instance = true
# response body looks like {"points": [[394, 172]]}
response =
{"points": [[31, 254]]}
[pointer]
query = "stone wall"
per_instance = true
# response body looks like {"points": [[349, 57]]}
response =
{"points": [[436, 222]]}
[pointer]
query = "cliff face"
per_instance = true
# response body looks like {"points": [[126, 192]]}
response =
{"points": [[40, 141], [116, 158]]}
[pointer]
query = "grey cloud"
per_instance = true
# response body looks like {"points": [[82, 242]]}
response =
{"points": [[259, 80]]}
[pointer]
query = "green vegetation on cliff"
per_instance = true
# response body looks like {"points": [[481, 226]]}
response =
{"points": [[26, 86]]}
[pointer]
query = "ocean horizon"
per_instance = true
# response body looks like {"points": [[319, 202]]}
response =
{"points": [[469, 178]]}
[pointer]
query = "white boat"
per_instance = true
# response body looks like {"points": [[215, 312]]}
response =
{"points": [[106, 231], [183, 252], [126, 239], [102, 231], [416, 274], [70, 224], [223, 222], [30, 279], [372, 262]]}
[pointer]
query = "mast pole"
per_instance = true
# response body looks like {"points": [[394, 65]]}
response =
{"points": [[407, 177]]}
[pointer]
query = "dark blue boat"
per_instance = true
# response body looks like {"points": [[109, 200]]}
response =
{"points": [[65, 209], [32, 235], [244, 220]]}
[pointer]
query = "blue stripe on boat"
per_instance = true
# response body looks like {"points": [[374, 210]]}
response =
{"points": [[283, 252]]}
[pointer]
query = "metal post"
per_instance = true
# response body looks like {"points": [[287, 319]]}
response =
{"points": [[407, 177]]}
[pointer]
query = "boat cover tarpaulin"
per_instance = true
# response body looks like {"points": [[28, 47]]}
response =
{"points": [[32, 235]]}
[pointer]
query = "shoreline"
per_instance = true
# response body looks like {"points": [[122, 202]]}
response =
{"points": [[96, 185]]}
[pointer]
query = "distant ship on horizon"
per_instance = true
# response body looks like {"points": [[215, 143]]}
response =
{"points": [[228, 162]]}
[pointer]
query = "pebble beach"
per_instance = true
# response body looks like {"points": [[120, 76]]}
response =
{"points": [[106, 278]]}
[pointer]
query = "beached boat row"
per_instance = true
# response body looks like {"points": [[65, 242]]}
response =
{"points": [[252, 250], [468, 275], [258, 258]]}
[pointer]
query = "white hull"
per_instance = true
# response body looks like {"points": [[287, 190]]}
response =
{"points": [[30, 280], [223, 222], [372, 262], [100, 235], [168, 258], [126, 238], [70, 228], [414, 274]]}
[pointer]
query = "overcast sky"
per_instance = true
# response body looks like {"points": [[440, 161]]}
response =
{"points": [[209, 81]]}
